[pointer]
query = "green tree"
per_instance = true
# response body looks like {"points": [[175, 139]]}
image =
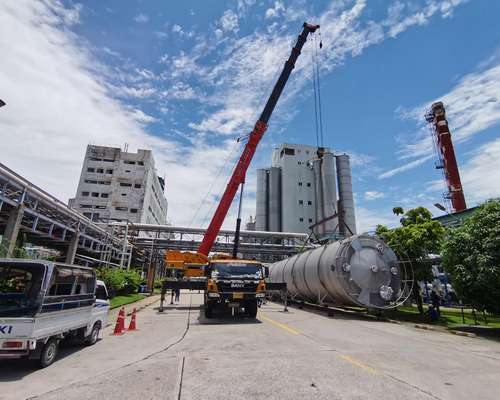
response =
{"points": [[471, 256], [416, 238]]}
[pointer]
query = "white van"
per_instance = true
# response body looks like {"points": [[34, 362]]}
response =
{"points": [[43, 302]]}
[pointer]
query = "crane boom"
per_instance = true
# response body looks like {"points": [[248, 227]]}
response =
{"points": [[238, 176]]}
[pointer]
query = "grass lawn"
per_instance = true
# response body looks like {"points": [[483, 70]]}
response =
{"points": [[450, 317], [119, 301]]}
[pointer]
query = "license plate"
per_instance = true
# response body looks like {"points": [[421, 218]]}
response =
{"points": [[237, 296]]}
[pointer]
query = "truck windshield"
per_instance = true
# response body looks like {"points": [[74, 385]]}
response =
{"points": [[20, 288], [242, 270]]}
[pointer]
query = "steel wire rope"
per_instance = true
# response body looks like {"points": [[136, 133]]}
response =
{"points": [[316, 123], [203, 201], [318, 84], [216, 200]]}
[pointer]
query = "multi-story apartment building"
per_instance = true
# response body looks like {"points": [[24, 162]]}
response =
{"points": [[120, 186]]}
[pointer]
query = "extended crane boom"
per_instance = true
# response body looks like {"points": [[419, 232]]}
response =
{"points": [[238, 176]]}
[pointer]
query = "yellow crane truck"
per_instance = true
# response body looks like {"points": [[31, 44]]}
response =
{"points": [[228, 283]]}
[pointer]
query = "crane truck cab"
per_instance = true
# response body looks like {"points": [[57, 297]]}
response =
{"points": [[234, 284]]}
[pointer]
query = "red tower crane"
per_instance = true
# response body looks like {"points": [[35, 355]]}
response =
{"points": [[447, 160], [239, 173]]}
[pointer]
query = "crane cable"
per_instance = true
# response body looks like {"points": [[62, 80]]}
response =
{"points": [[317, 91], [214, 202], [229, 156]]}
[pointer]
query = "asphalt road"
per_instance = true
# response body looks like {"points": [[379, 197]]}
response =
{"points": [[294, 355]]}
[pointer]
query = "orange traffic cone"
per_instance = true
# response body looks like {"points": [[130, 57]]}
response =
{"points": [[133, 325], [120, 323]]}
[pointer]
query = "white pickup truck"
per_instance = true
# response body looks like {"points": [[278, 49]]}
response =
{"points": [[43, 302]]}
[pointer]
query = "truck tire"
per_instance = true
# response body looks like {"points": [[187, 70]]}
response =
{"points": [[251, 308], [208, 310], [49, 353], [94, 335]]}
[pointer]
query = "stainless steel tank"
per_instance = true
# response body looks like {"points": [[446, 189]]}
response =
{"points": [[357, 271], [347, 220], [262, 212]]}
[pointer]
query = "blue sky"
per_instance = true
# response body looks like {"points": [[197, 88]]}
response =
{"points": [[187, 78]]}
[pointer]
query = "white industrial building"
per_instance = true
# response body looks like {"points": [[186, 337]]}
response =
{"points": [[117, 185], [299, 192]]}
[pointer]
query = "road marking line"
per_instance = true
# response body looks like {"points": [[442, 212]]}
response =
{"points": [[359, 364], [279, 324]]}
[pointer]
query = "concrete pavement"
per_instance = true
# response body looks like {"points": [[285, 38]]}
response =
{"points": [[293, 355]]}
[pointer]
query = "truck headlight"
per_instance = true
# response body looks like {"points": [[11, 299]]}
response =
{"points": [[260, 295], [210, 294]]}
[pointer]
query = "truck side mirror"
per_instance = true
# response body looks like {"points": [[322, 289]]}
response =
{"points": [[266, 272]]}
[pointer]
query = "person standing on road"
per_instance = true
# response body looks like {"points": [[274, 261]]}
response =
{"points": [[177, 294], [435, 300]]}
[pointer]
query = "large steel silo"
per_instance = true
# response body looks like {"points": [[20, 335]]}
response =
{"points": [[274, 199], [262, 212], [357, 271], [347, 215], [329, 193]]}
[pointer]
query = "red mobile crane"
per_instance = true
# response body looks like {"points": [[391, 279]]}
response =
{"points": [[237, 284], [256, 135], [447, 160]]}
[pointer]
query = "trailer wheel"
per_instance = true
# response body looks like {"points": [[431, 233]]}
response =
{"points": [[251, 309], [49, 352], [208, 310], [94, 334]]}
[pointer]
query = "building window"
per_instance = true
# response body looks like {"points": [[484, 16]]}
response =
{"points": [[129, 162], [308, 184], [86, 205], [90, 170], [107, 160], [105, 195], [90, 181], [87, 214], [100, 207], [127, 170], [301, 219], [309, 203], [310, 220], [104, 182], [133, 210], [85, 194], [301, 201], [307, 151], [95, 216], [125, 184], [100, 171], [109, 171], [299, 162], [95, 194], [121, 208], [300, 183], [140, 162], [124, 194], [137, 186]]}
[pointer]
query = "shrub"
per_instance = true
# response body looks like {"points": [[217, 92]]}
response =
{"points": [[120, 281]]}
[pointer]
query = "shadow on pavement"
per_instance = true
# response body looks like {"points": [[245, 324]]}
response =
{"points": [[17, 369], [221, 318]]}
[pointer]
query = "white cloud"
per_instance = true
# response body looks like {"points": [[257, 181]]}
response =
{"points": [[405, 167], [141, 18], [480, 175], [368, 219], [472, 106], [229, 21], [274, 12], [56, 106], [373, 195]]}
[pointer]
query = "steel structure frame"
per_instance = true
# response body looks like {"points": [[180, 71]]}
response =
{"points": [[49, 222], [265, 246]]}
